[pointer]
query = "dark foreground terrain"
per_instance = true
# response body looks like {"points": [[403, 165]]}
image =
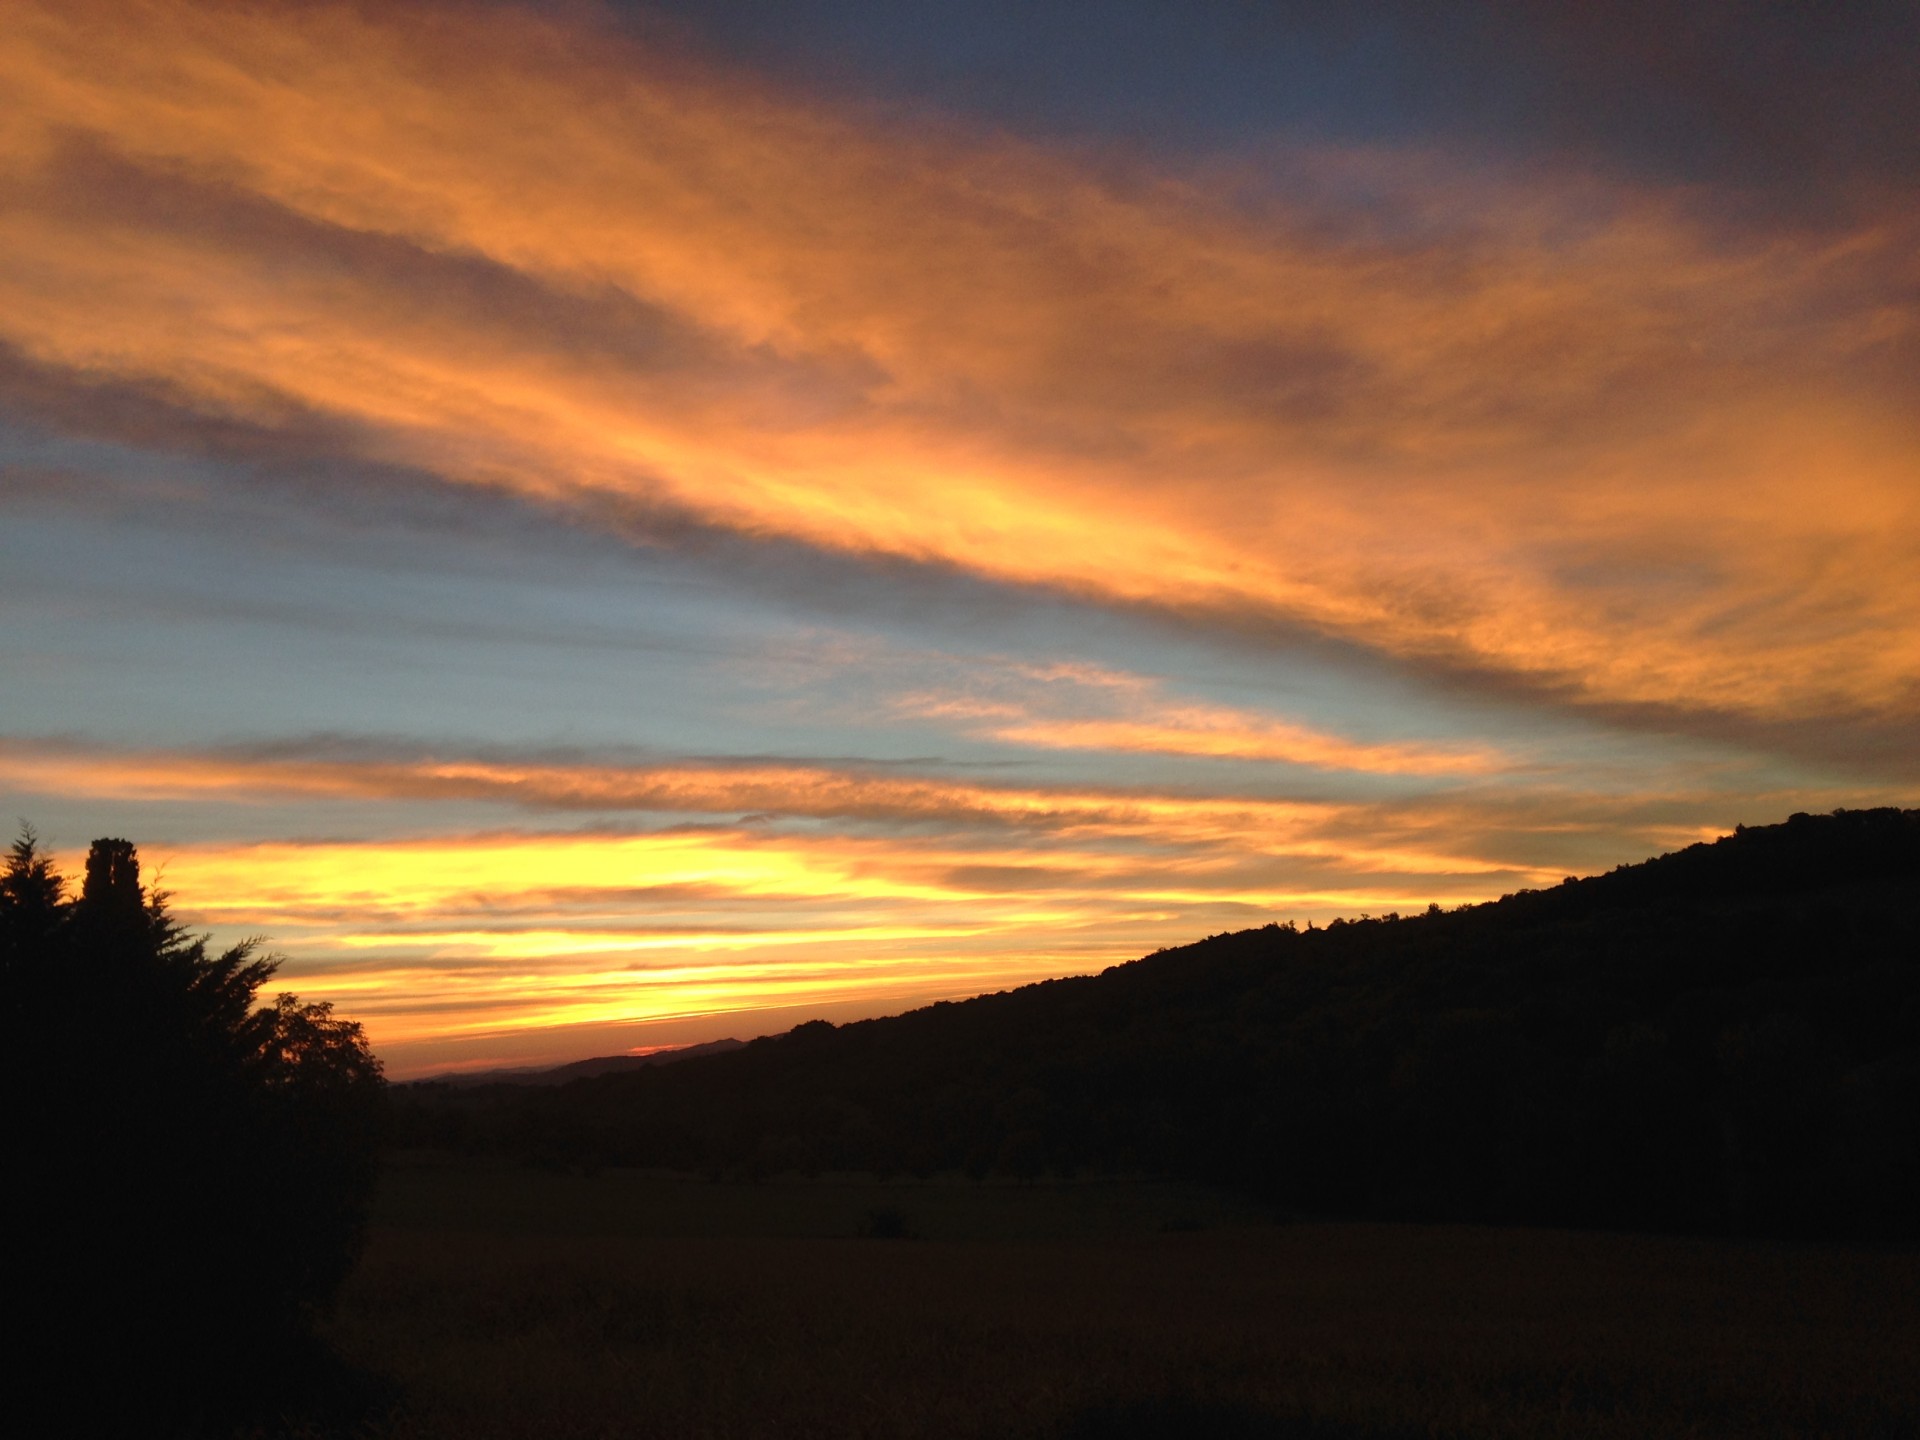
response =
{"points": [[509, 1302]]}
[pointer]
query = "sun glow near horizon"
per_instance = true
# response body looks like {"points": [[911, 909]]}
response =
{"points": [[901, 888]]}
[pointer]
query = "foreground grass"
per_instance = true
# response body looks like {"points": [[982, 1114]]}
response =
{"points": [[508, 1303]]}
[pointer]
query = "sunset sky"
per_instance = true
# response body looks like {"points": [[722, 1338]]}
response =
{"points": [[601, 526]]}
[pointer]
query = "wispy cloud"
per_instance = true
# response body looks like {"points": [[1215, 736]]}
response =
{"points": [[1552, 427], [731, 790], [1087, 707]]}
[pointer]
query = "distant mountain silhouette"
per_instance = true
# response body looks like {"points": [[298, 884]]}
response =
{"points": [[579, 1069], [1722, 1039]]}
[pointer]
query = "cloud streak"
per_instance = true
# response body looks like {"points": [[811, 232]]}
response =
{"points": [[736, 790], [1551, 428], [1085, 707]]}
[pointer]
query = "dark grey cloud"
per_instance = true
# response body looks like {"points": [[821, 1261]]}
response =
{"points": [[1806, 98], [1790, 103]]}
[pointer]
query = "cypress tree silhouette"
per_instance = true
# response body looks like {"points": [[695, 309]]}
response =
{"points": [[191, 1167]]}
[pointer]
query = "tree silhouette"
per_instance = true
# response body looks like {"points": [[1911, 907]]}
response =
{"points": [[190, 1167]]}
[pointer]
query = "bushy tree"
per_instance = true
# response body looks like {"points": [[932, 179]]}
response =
{"points": [[189, 1167]]}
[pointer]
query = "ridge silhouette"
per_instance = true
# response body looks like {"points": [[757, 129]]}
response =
{"points": [[1721, 1040]]}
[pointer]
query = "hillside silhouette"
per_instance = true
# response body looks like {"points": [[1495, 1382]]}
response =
{"points": [[1725, 1039], [581, 1069]]}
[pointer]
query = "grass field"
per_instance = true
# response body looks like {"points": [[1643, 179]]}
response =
{"points": [[509, 1302]]}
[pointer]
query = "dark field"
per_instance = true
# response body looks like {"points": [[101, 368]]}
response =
{"points": [[508, 1302]]}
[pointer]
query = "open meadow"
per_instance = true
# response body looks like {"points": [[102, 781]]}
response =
{"points": [[511, 1302]]}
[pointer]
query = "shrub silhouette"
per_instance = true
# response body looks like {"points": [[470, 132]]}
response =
{"points": [[887, 1223], [190, 1167]]}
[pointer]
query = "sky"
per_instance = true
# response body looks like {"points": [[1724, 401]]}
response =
{"points": [[596, 526]]}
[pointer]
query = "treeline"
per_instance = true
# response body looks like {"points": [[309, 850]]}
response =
{"points": [[1726, 1039]]}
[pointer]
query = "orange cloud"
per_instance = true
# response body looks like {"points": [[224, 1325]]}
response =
{"points": [[1047, 707], [1167, 821], [1546, 428]]}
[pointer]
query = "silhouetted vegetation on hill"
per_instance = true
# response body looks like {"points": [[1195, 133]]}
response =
{"points": [[189, 1169], [581, 1069], [1722, 1039]]}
